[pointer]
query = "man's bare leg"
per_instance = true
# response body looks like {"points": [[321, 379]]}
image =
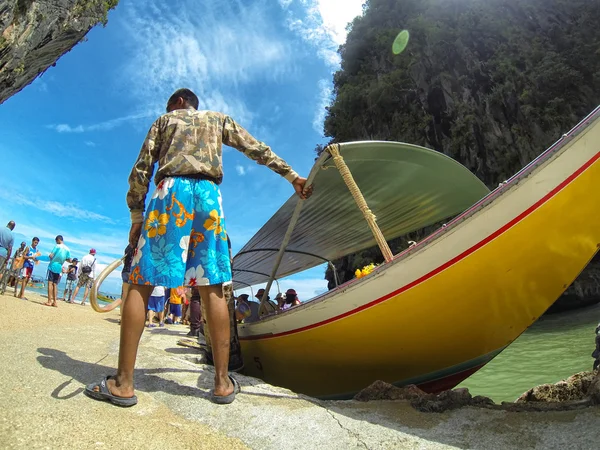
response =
{"points": [[75, 293], [53, 290], [49, 302], [150, 317], [133, 318], [124, 291], [85, 294], [25, 281], [217, 317]]}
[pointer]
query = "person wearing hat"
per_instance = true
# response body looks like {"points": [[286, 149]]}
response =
{"points": [[270, 306], [280, 299], [291, 299], [71, 284], [87, 272], [246, 310]]}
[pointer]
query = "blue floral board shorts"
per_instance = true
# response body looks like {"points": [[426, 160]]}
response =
{"points": [[183, 240]]}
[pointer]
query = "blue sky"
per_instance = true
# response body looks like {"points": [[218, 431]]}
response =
{"points": [[70, 138]]}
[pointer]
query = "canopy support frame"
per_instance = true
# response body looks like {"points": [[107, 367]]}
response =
{"points": [[293, 220]]}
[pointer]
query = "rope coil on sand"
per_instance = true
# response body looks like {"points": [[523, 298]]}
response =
{"points": [[96, 285], [334, 151]]}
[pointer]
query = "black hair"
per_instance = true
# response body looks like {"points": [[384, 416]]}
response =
{"points": [[35, 238], [59, 237], [289, 298], [190, 98]]}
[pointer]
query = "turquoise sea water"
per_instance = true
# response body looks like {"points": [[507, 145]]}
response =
{"points": [[61, 290], [554, 348]]}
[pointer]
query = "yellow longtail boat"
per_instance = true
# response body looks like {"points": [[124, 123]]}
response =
{"points": [[440, 310]]}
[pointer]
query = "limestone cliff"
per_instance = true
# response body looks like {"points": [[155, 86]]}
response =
{"points": [[35, 33], [491, 83]]}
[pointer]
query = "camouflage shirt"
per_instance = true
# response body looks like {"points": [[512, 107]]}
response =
{"points": [[186, 142]]}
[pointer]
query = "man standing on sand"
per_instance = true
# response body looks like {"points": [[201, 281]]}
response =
{"points": [[60, 253], [182, 239], [30, 259], [6, 244], [87, 273]]}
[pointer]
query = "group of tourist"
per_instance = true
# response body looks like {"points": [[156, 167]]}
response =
{"points": [[172, 306], [247, 310], [173, 310], [20, 268]]}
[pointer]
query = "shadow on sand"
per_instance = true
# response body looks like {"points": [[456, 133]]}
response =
{"points": [[82, 372], [393, 415]]}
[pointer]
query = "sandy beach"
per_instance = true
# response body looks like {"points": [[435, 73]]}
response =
{"points": [[49, 354]]}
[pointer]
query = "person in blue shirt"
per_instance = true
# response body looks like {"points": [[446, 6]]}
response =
{"points": [[6, 244], [60, 253]]}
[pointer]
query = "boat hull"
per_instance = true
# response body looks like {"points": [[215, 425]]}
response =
{"points": [[441, 311]]}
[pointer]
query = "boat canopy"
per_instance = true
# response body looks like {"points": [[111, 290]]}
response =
{"points": [[407, 187]]}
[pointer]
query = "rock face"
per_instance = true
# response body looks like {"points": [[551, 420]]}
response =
{"points": [[581, 390], [420, 400], [575, 388], [35, 33], [380, 390]]}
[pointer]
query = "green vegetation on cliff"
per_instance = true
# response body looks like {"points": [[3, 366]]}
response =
{"points": [[491, 83]]}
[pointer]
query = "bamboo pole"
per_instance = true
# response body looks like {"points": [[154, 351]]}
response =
{"points": [[334, 151]]}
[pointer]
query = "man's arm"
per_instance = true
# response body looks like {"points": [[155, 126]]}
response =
{"points": [[141, 174], [237, 137]]}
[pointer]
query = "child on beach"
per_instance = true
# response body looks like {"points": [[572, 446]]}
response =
{"points": [[175, 302], [182, 238], [156, 305], [71, 281]]}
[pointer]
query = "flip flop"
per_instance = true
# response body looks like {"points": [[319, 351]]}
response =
{"points": [[226, 399], [105, 395]]}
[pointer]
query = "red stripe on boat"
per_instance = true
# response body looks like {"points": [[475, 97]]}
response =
{"points": [[443, 384]]}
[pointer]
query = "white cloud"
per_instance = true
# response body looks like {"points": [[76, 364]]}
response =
{"points": [[325, 93], [212, 48], [102, 126], [240, 170], [55, 208], [323, 23], [90, 143]]}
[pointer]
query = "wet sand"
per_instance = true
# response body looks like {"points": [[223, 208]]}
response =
{"points": [[49, 354]]}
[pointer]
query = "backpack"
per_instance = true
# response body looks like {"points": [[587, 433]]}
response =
{"points": [[88, 269]]}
